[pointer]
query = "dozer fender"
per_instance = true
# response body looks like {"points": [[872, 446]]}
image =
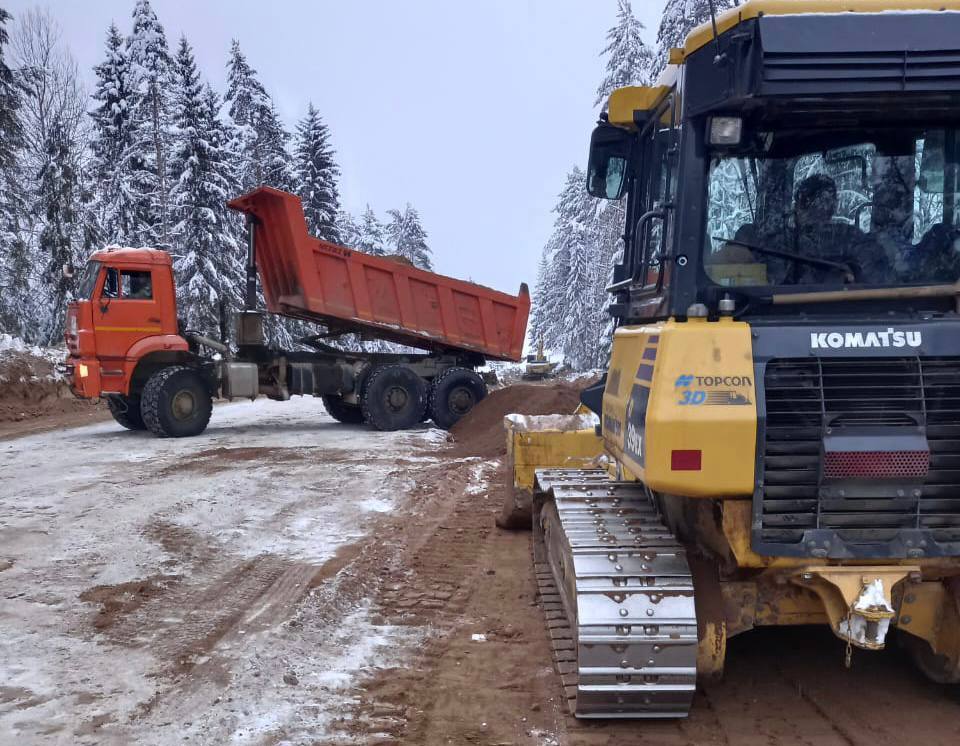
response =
{"points": [[679, 408]]}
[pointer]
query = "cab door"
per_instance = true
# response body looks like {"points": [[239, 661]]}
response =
{"points": [[125, 310]]}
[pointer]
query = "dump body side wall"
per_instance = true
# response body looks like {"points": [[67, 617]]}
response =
{"points": [[308, 278]]}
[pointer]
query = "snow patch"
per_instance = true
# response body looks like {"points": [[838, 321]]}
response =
{"points": [[551, 422]]}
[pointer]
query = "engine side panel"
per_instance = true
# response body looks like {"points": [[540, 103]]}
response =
{"points": [[679, 409]]}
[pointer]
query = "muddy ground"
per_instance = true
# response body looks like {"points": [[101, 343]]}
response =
{"points": [[286, 580]]}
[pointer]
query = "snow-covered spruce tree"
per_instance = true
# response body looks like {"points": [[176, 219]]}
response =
{"points": [[112, 143], [629, 59], [553, 298], [372, 234], [52, 214], [407, 238], [316, 176], [207, 264], [680, 17], [150, 68], [577, 237], [10, 130], [61, 236], [12, 247], [262, 138], [349, 229], [537, 323]]}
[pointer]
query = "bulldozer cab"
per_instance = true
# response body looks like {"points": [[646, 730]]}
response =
{"points": [[782, 178]]}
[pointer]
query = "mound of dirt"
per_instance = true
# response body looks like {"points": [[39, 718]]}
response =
{"points": [[481, 432], [33, 396]]}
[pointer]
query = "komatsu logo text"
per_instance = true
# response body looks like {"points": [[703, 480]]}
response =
{"points": [[848, 340]]}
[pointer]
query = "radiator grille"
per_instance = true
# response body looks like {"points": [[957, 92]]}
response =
{"points": [[805, 397]]}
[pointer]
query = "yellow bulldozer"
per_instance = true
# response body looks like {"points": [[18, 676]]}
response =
{"points": [[777, 437], [538, 365]]}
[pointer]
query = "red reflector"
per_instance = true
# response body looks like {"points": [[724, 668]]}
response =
{"points": [[876, 464], [686, 460]]}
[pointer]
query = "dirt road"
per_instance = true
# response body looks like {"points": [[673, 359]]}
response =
{"points": [[286, 580]]}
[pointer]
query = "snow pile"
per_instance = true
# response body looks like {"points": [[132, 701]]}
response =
{"points": [[554, 422]]}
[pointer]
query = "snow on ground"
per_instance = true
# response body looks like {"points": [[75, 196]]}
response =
{"points": [[190, 556]]}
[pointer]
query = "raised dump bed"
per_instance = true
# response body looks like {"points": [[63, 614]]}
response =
{"points": [[351, 291]]}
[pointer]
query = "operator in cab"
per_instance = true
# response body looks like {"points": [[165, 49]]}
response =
{"points": [[820, 234]]}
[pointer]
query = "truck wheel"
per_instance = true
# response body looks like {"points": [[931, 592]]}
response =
{"points": [[394, 398], [126, 411], [176, 403], [455, 392], [349, 414]]}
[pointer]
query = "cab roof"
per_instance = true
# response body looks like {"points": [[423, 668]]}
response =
{"points": [[126, 255], [703, 35]]}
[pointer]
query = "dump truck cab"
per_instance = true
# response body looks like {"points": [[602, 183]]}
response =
{"points": [[781, 413], [125, 315]]}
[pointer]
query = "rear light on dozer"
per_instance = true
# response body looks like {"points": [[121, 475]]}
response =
{"points": [[686, 460]]}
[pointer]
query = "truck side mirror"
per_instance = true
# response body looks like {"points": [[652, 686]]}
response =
{"points": [[609, 162], [68, 271]]}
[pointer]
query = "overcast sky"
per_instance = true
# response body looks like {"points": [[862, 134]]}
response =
{"points": [[472, 111]]}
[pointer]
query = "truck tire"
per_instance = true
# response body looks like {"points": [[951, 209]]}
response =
{"points": [[394, 398], [341, 411], [176, 403], [126, 411], [455, 392]]}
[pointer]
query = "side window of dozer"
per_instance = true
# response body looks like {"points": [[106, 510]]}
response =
{"points": [[660, 186]]}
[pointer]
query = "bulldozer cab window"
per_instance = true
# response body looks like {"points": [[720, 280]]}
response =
{"points": [[835, 208], [653, 237]]}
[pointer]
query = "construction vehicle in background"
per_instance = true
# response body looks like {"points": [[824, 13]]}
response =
{"points": [[126, 345], [779, 426], [538, 366]]}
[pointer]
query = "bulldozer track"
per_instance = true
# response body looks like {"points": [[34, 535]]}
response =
{"points": [[617, 597]]}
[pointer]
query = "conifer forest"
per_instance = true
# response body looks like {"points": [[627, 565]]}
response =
{"points": [[149, 155]]}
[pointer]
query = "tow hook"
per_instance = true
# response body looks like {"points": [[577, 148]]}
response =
{"points": [[869, 618], [857, 601]]}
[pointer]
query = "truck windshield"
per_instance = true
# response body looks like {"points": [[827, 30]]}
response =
{"points": [[88, 280], [835, 208]]}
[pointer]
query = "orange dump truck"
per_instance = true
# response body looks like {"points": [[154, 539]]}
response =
{"points": [[127, 346]]}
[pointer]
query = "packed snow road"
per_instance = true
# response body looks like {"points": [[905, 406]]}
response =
{"points": [[162, 590]]}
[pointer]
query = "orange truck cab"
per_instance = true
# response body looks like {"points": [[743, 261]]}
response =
{"points": [[125, 316], [126, 345]]}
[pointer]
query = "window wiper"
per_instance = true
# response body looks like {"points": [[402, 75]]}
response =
{"points": [[848, 274]]}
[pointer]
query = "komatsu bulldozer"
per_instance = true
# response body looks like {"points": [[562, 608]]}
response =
{"points": [[779, 427]]}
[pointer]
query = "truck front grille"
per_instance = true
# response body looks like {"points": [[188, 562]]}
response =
{"points": [[860, 498]]}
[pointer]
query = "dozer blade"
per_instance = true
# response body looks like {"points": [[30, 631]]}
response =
{"points": [[617, 595]]}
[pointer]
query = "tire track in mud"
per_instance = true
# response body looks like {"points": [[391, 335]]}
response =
{"points": [[426, 582]]}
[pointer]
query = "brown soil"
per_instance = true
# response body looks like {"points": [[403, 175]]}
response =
{"points": [[481, 432], [117, 601], [30, 402], [460, 577]]}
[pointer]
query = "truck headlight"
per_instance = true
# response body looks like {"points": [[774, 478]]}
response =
{"points": [[83, 370]]}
